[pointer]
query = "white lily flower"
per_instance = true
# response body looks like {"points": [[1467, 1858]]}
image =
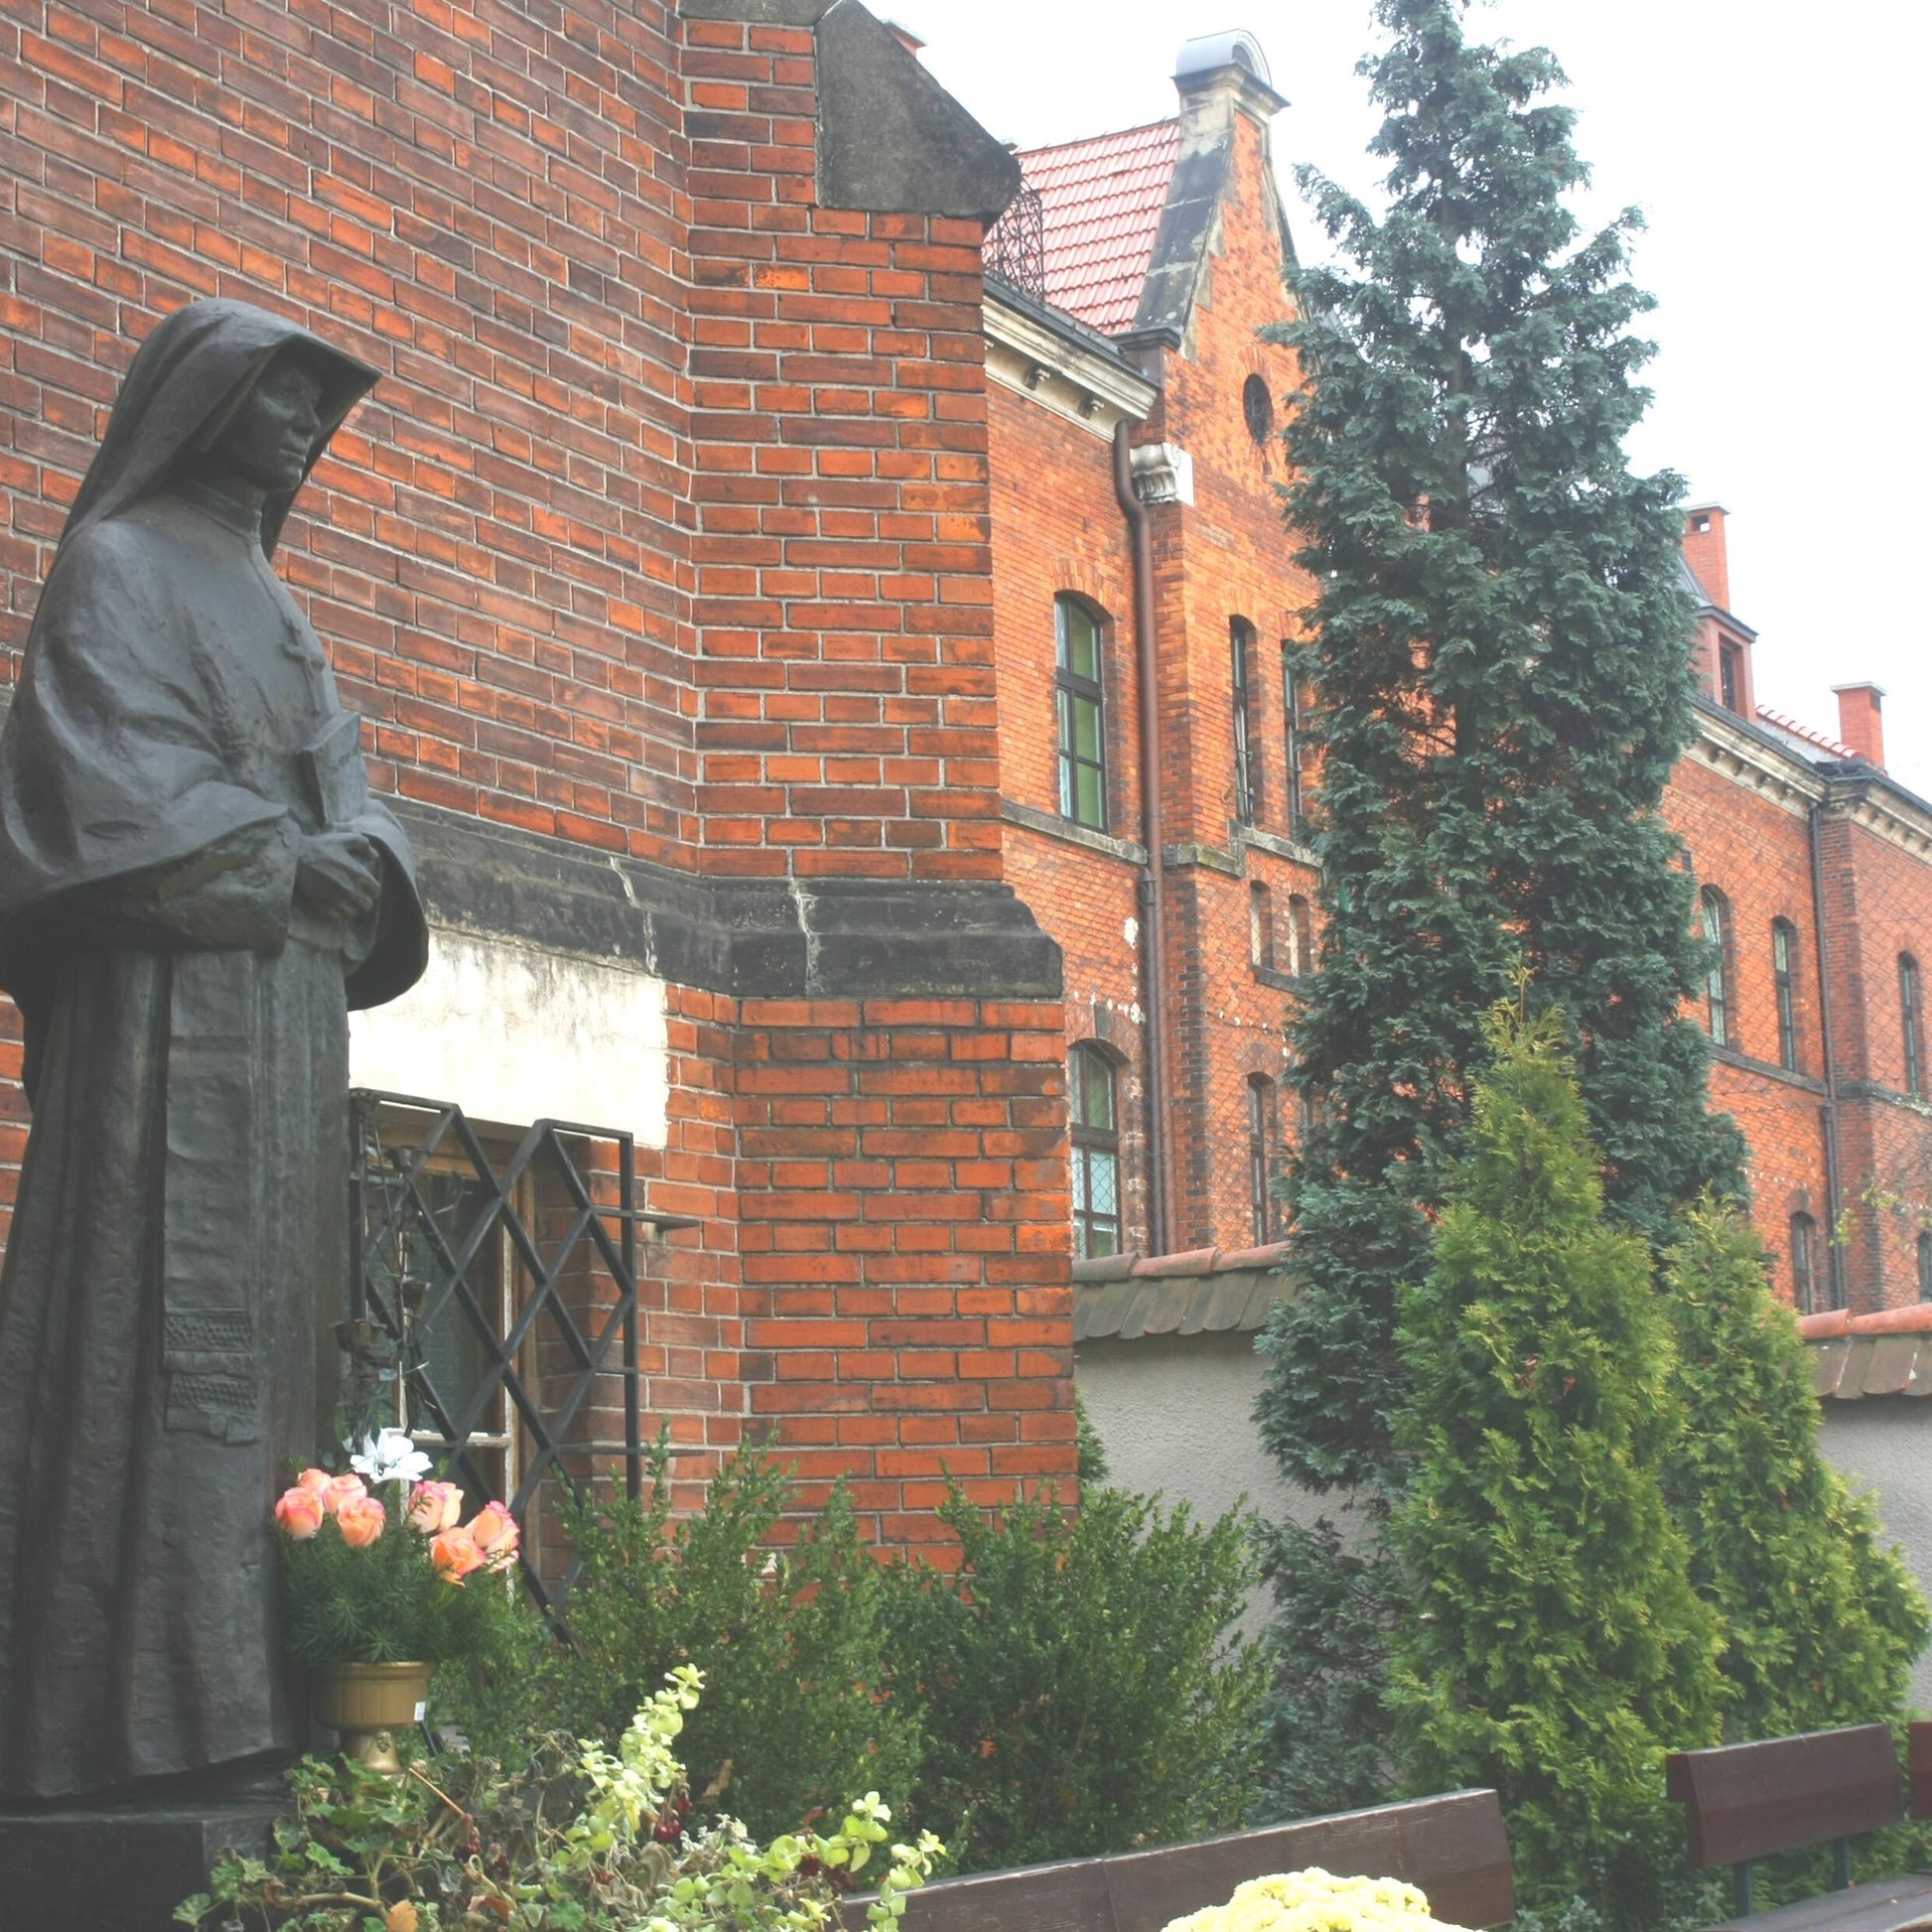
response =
{"points": [[390, 1458]]}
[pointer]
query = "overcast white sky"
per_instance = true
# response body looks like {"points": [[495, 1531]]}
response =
{"points": [[1777, 152]]}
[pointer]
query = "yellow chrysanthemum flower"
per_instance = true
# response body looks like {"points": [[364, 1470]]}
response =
{"points": [[1316, 1901]]}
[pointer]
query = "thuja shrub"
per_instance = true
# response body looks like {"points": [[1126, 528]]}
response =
{"points": [[1558, 1650], [1084, 1682], [795, 1714], [1821, 1621]]}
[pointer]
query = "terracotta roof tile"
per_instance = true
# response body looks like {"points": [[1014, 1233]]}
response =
{"points": [[1100, 203], [1808, 738]]}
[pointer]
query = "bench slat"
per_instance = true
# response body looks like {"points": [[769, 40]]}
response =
{"points": [[1895, 1905], [1452, 1846], [1745, 1801]]}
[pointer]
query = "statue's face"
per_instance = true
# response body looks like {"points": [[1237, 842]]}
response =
{"points": [[265, 444]]}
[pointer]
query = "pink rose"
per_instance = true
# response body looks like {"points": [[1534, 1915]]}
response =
{"points": [[435, 1506], [361, 1520], [298, 1513], [316, 1479], [338, 1490], [455, 1555], [494, 1531]]}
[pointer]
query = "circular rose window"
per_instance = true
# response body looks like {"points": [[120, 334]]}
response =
{"points": [[1258, 407]]}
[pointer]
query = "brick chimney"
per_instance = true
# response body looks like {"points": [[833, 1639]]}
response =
{"points": [[1860, 720], [1704, 551]]}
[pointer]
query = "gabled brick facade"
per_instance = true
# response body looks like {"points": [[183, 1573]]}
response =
{"points": [[1752, 798]]}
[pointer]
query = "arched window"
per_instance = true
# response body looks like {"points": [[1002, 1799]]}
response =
{"points": [[1908, 1019], [1715, 917], [1803, 1234], [1081, 706], [1264, 1131], [1925, 1264], [1246, 747], [1784, 972], [1096, 1152], [1261, 926], [1296, 727], [1300, 936]]}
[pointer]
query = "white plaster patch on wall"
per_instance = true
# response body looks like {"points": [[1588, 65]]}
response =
{"points": [[515, 1034]]}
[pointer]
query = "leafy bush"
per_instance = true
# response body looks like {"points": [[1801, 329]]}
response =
{"points": [[1558, 1650], [1073, 1689], [1821, 1622], [796, 1712], [587, 1840], [1082, 1688]]}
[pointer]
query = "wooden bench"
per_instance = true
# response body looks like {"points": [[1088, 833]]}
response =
{"points": [[1452, 1846], [1744, 1802]]}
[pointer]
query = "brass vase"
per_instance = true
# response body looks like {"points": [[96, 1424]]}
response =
{"points": [[368, 1703]]}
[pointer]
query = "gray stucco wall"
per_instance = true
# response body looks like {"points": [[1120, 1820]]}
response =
{"points": [[1176, 1413], [1885, 1445]]}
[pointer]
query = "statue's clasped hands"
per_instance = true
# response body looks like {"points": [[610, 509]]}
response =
{"points": [[337, 875]]}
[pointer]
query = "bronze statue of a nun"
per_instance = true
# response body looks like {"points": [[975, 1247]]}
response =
{"points": [[194, 887]]}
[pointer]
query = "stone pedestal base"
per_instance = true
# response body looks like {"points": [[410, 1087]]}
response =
{"points": [[119, 1868]]}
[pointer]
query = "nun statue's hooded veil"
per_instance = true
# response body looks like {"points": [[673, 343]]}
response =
{"points": [[178, 1252]]}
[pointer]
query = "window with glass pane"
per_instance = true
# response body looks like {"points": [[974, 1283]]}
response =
{"points": [[1784, 968], [1295, 743], [1262, 1135], [1261, 926], [450, 1350], [1730, 683], [1925, 1266], [1082, 716], [1300, 936], [1803, 1228], [1717, 981], [1908, 1019], [1096, 1153], [1247, 758]]}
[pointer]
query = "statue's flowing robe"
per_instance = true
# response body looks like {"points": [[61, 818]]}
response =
{"points": [[177, 1249]]}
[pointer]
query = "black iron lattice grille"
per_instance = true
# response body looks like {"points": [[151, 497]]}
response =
{"points": [[435, 1218], [1016, 246]]}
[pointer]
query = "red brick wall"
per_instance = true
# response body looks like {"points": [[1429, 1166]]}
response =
{"points": [[1880, 905], [844, 644], [1057, 527], [1756, 852], [664, 534], [1755, 849], [903, 1217]]}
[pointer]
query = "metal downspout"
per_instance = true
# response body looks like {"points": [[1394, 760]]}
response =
{"points": [[1834, 1250], [1152, 948]]}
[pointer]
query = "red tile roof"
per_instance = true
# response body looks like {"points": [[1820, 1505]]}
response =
{"points": [[1101, 201], [1785, 727]]}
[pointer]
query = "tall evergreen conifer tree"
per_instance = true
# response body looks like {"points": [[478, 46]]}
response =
{"points": [[1500, 661], [1556, 1649]]}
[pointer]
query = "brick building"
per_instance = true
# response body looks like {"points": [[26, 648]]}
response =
{"points": [[1155, 255], [658, 567]]}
